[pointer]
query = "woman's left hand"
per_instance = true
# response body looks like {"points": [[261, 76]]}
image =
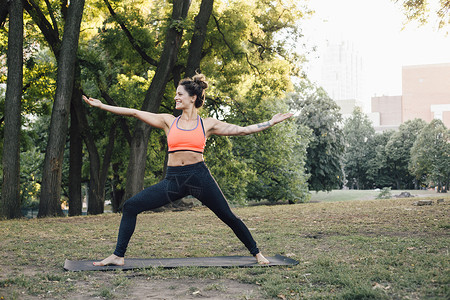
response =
{"points": [[280, 117]]}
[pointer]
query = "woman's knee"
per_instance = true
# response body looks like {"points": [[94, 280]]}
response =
{"points": [[229, 217], [130, 207]]}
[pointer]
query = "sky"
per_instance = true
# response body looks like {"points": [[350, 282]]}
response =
{"points": [[377, 30]]}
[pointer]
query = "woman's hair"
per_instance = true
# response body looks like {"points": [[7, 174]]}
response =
{"points": [[196, 86]]}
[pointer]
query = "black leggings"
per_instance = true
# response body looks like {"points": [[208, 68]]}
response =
{"points": [[195, 180]]}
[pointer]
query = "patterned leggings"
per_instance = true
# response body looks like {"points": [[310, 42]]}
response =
{"points": [[195, 180]]}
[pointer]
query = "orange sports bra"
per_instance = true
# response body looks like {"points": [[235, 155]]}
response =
{"points": [[180, 139]]}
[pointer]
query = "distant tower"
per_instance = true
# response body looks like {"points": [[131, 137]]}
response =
{"points": [[341, 74]]}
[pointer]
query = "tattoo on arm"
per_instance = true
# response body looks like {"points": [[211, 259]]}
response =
{"points": [[265, 124]]}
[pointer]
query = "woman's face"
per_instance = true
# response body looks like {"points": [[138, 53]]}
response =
{"points": [[182, 98]]}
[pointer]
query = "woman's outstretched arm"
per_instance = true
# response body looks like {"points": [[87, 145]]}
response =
{"points": [[222, 128], [155, 120]]}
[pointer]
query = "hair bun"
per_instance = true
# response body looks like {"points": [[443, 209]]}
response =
{"points": [[200, 79]]}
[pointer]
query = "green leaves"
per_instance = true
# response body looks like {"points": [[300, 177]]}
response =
{"points": [[358, 132], [430, 154], [325, 152], [398, 152]]}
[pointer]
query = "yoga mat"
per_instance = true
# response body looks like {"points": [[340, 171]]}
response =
{"points": [[218, 261]]}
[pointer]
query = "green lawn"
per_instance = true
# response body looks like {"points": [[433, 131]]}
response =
{"points": [[373, 249], [346, 195]]}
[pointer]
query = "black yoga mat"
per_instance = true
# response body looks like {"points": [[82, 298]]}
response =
{"points": [[219, 261]]}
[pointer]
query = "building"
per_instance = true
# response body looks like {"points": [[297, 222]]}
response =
{"points": [[386, 112], [341, 75], [347, 107], [426, 93]]}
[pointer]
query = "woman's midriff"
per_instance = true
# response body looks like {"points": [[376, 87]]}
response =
{"points": [[183, 158]]}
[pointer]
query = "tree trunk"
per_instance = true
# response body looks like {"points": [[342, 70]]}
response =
{"points": [[95, 192], [10, 202], [49, 204], [51, 35], [108, 155], [75, 161], [152, 102], [98, 172], [116, 193], [198, 38]]}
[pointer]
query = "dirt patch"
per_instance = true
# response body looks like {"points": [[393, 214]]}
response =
{"points": [[168, 289], [193, 289], [8, 271], [371, 233]]}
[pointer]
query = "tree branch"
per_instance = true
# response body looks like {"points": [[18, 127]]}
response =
{"points": [[128, 34], [50, 35], [198, 38], [101, 87], [123, 121], [52, 16], [231, 49], [261, 46]]}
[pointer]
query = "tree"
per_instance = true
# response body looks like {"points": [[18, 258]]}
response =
{"points": [[325, 154], [277, 155], [75, 161], [380, 168], [419, 10], [41, 88], [49, 204], [398, 151], [10, 202], [430, 155], [153, 98], [358, 132], [238, 53], [34, 137], [232, 174], [236, 41]]}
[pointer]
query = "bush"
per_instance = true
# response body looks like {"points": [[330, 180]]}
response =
{"points": [[385, 193]]}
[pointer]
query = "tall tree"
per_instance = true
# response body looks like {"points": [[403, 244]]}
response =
{"points": [[430, 155], [10, 203], [98, 169], [75, 163], [325, 155], [49, 204], [153, 98], [380, 168], [398, 150], [358, 132]]}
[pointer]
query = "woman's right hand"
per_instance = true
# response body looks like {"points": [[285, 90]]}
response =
{"points": [[92, 102]]}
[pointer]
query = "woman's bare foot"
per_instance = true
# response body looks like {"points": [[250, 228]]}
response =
{"points": [[261, 259], [111, 260]]}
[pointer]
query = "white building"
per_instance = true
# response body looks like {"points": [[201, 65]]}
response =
{"points": [[342, 72]]}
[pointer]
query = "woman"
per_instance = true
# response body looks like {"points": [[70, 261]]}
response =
{"points": [[186, 172]]}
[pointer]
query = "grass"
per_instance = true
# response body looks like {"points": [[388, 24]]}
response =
{"points": [[347, 195], [373, 249]]}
